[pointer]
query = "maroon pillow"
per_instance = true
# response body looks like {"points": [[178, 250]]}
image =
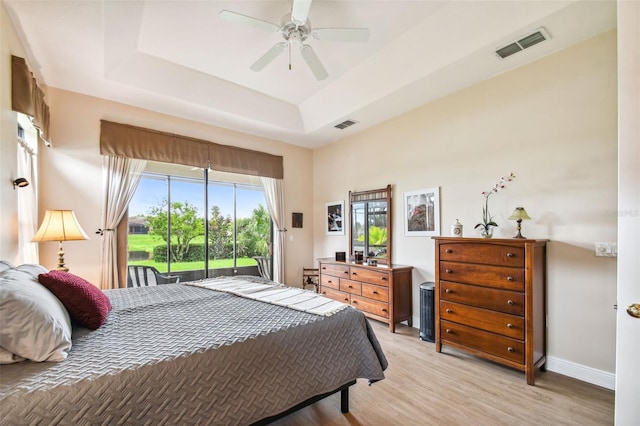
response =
{"points": [[86, 303]]}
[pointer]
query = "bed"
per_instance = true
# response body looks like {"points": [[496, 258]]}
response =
{"points": [[182, 353]]}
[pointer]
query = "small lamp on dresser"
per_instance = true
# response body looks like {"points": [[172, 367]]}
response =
{"points": [[519, 214]]}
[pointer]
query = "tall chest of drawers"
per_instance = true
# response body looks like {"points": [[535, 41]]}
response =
{"points": [[490, 299], [380, 292]]}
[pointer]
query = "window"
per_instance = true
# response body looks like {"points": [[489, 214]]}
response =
{"points": [[199, 212]]}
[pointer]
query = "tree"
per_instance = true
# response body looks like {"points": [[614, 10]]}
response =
{"points": [[185, 226], [254, 233], [220, 235]]}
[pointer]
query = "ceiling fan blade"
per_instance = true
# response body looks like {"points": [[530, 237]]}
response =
{"points": [[268, 57], [341, 34], [314, 63], [237, 18], [300, 11]]}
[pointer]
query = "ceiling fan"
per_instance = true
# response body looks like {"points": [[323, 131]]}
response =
{"points": [[296, 28]]}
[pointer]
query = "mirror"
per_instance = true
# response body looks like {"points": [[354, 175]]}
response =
{"points": [[371, 225]]}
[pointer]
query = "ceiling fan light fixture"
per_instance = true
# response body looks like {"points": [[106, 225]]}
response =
{"points": [[297, 28]]}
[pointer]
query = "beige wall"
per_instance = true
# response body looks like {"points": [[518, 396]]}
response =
{"points": [[552, 123], [71, 173], [9, 45]]}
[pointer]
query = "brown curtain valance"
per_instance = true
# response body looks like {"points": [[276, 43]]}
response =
{"points": [[122, 140], [27, 97]]}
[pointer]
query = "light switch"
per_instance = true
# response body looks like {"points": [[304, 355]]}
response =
{"points": [[607, 249]]}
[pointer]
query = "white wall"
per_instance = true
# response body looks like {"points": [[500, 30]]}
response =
{"points": [[552, 123]]}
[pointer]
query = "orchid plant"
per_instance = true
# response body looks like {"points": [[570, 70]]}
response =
{"points": [[487, 224]]}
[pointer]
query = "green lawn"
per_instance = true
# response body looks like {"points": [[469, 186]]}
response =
{"points": [[145, 242]]}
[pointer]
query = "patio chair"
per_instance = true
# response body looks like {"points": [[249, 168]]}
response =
{"points": [[145, 276]]}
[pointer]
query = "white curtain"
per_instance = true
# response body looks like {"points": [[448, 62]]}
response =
{"points": [[120, 180], [275, 204], [27, 204]]}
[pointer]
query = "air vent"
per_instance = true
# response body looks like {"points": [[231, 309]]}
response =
{"points": [[525, 42], [345, 124]]}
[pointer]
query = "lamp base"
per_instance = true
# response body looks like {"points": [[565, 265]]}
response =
{"points": [[61, 266], [519, 235]]}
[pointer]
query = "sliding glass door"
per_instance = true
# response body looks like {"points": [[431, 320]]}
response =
{"points": [[196, 227]]}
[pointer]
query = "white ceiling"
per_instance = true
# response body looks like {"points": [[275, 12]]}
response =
{"points": [[180, 58]]}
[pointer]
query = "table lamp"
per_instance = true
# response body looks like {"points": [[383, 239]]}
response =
{"points": [[519, 214], [60, 225]]}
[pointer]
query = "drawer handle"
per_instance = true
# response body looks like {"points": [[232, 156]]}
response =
{"points": [[350, 287], [448, 291], [509, 325], [374, 292], [510, 254], [447, 251], [448, 330], [509, 302], [346, 299], [384, 309], [448, 271], [510, 349], [383, 278], [448, 311], [324, 267], [345, 272], [509, 278]]}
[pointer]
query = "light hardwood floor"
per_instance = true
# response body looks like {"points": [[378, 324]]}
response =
{"points": [[423, 387]]}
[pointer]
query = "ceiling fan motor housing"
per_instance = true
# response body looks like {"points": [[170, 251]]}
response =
{"points": [[293, 32]]}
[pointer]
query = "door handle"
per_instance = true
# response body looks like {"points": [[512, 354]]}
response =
{"points": [[634, 310]]}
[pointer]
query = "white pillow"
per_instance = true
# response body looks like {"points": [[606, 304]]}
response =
{"points": [[35, 324], [4, 265]]}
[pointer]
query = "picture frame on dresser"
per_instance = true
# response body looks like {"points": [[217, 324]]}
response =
{"points": [[422, 212], [335, 217]]}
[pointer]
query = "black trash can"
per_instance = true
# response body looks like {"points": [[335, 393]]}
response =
{"points": [[427, 312]]}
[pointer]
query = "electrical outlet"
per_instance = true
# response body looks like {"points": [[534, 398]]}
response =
{"points": [[607, 249]]}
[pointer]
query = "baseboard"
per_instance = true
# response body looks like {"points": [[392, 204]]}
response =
{"points": [[567, 368], [581, 372]]}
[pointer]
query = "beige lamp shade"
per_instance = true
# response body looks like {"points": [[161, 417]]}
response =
{"points": [[60, 225], [519, 213]]}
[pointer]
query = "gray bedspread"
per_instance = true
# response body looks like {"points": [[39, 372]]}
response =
{"points": [[177, 354]]}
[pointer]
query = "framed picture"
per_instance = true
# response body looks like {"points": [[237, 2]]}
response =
{"points": [[422, 213], [335, 218], [296, 220]]}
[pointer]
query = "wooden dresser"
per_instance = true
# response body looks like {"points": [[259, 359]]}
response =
{"points": [[490, 299], [380, 292]]}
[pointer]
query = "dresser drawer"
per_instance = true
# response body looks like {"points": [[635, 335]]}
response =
{"points": [[375, 292], [489, 276], [335, 295], [349, 286], [370, 276], [496, 322], [491, 254], [494, 344], [380, 309], [330, 281], [509, 302], [335, 270]]}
